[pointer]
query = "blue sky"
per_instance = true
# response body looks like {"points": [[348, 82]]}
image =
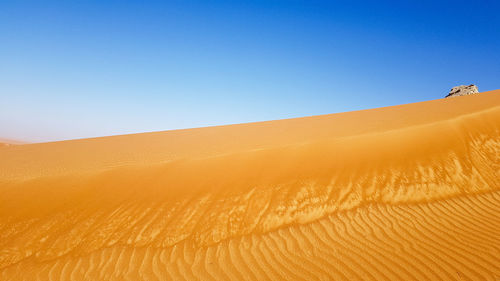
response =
{"points": [[75, 69]]}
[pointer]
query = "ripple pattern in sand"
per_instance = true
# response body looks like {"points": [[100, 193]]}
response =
{"points": [[451, 239]]}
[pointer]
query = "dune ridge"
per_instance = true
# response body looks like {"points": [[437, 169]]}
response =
{"points": [[382, 194]]}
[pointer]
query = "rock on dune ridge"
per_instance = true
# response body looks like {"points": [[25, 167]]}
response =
{"points": [[409, 192], [463, 90]]}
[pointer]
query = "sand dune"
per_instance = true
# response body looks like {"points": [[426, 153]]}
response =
{"points": [[409, 192]]}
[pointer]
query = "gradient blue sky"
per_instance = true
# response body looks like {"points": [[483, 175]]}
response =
{"points": [[74, 69]]}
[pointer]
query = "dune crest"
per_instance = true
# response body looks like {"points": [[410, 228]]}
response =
{"points": [[408, 192]]}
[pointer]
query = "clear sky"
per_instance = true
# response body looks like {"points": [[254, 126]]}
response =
{"points": [[74, 69]]}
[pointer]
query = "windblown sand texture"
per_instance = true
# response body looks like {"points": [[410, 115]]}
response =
{"points": [[409, 192]]}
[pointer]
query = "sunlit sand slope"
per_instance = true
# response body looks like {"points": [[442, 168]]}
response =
{"points": [[410, 192]]}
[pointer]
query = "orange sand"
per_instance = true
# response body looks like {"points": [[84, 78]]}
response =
{"points": [[409, 192]]}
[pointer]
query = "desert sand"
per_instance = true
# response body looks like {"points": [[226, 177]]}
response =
{"points": [[408, 192]]}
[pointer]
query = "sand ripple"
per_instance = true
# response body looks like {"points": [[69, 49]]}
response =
{"points": [[416, 201]]}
